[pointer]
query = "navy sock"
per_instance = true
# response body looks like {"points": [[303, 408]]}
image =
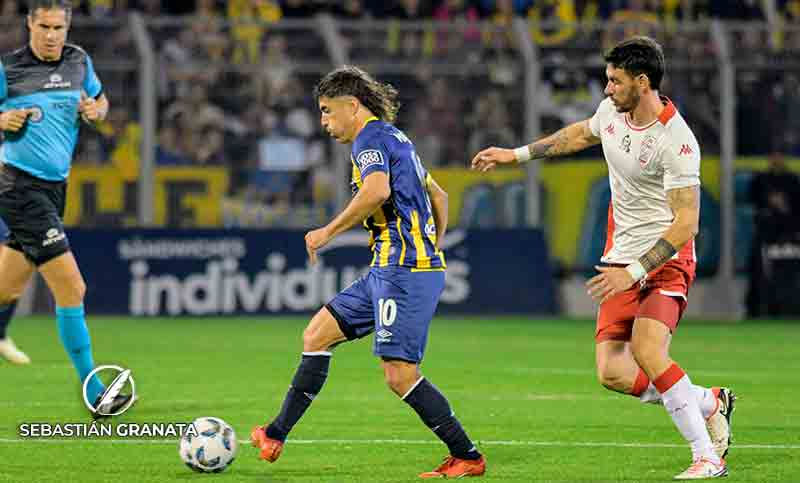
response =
{"points": [[6, 312], [306, 384], [435, 412]]}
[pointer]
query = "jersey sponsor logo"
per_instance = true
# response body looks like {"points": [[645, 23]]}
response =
{"points": [[647, 149], [54, 235], [625, 145], [369, 157], [57, 82], [685, 150]]}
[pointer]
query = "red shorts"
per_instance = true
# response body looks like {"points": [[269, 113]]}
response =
{"points": [[663, 298]]}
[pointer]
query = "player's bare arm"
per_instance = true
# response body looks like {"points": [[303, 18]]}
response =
{"points": [[93, 110], [568, 140], [439, 205], [372, 194], [685, 205]]}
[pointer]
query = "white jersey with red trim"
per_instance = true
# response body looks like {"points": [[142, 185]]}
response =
{"points": [[644, 162]]}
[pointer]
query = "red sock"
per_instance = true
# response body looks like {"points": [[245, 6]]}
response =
{"points": [[640, 386], [668, 378]]}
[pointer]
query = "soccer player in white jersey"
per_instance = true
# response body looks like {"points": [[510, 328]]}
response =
{"points": [[649, 260]]}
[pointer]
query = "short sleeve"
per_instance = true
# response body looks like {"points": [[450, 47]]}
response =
{"points": [[681, 161], [3, 84], [91, 83], [371, 156], [600, 116]]}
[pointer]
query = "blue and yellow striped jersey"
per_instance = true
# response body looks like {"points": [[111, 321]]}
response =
{"points": [[402, 230]]}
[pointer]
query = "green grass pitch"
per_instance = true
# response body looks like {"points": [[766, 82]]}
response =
{"points": [[525, 389]]}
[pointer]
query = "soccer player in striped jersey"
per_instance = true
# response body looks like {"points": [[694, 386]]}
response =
{"points": [[405, 212], [649, 261]]}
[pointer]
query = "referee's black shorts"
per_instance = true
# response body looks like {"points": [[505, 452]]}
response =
{"points": [[33, 209]]}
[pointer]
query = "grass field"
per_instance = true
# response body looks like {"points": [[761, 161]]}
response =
{"points": [[525, 389]]}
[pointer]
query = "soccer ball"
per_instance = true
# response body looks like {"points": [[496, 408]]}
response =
{"points": [[209, 445]]}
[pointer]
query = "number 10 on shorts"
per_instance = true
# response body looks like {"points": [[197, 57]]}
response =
{"points": [[387, 311]]}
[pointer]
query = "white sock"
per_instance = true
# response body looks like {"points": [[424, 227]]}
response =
{"points": [[705, 398], [681, 404]]}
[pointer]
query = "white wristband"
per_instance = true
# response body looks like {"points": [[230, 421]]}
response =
{"points": [[637, 271], [522, 154]]}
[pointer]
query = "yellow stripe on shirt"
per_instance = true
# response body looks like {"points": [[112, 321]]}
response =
{"points": [[423, 260], [402, 240]]}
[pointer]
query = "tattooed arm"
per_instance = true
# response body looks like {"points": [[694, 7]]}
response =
{"points": [[685, 205], [568, 140]]}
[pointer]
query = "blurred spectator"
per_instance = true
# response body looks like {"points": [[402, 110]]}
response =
{"points": [[409, 42], [427, 138], [13, 32], [249, 20], [281, 159], [499, 32], [490, 123], [567, 95], [775, 195], [462, 32], [12, 8]]}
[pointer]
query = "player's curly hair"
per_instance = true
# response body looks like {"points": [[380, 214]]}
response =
{"points": [[349, 80], [639, 55], [34, 5]]}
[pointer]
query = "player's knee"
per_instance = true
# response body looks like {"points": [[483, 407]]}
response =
{"points": [[610, 377], [76, 291], [311, 339], [400, 376]]}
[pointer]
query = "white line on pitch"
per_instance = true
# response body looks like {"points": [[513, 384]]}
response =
{"points": [[406, 442]]}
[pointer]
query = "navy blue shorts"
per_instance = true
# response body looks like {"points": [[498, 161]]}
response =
{"points": [[397, 304]]}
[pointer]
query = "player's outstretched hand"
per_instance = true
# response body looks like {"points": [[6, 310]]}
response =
{"points": [[487, 159], [88, 108], [316, 239], [611, 281], [14, 120]]}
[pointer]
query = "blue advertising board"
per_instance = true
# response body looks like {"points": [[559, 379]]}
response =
{"points": [[239, 272]]}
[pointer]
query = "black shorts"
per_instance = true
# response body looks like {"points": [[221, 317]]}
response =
{"points": [[33, 209]]}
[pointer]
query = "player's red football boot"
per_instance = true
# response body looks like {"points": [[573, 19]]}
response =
{"points": [[453, 467], [270, 448]]}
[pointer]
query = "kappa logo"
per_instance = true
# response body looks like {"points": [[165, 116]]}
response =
{"points": [[369, 157], [122, 380], [685, 150], [57, 82]]}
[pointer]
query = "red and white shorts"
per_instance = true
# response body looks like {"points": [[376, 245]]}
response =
{"points": [[663, 297]]}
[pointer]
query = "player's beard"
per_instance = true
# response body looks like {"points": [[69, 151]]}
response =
{"points": [[629, 103]]}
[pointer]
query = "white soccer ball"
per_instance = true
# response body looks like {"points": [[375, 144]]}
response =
{"points": [[209, 445]]}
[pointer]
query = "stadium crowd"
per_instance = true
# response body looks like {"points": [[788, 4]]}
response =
{"points": [[234, 85]]}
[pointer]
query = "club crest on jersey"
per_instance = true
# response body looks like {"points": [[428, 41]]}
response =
{"points": [[625, 145], [647, 149], [369, 157]]}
